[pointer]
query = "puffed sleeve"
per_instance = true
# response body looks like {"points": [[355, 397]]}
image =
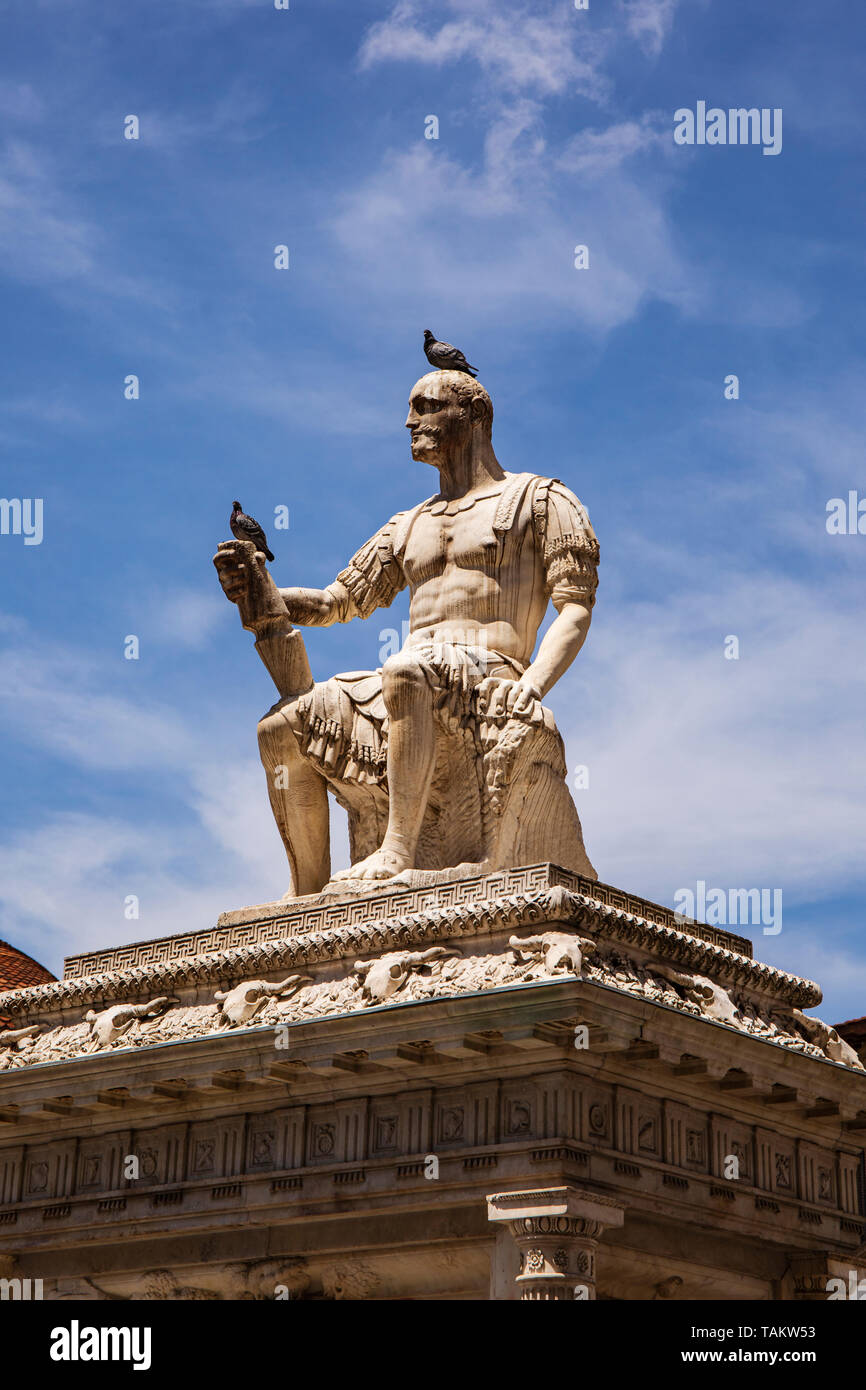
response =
{"points": [[373, 577], [568, 545]]}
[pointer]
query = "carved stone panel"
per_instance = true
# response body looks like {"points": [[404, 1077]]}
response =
{"points": [[732, 1141], [686, 1138], [215, 1149], [518, 1120], [597, 1117], [161, 1155], [817, 1175], [11, 1174], [100, 1166], [275, 1140], [558, 1113], [849, 1168], [639, 1124], [49, 1171], [337, 1133], [466, 1116], [783, 1170]]}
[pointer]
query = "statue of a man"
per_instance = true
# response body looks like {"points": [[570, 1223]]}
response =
{"points": [[445, 755]]}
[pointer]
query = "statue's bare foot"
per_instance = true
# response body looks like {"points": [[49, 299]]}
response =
{"points": [[385, 863]]}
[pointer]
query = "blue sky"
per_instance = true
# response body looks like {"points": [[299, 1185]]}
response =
{"points": [[306, 128]]}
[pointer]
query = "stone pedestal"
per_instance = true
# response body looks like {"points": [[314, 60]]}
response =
{"points": [[321, 1095]]}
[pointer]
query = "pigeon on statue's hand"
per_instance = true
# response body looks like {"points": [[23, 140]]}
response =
{"points": [[246, 528], [445, 357]]}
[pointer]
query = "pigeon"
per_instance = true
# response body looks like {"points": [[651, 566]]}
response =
{"points": [[445, 357], [246, 528]]}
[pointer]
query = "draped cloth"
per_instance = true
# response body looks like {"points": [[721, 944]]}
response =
{"points": [[342, 723]]}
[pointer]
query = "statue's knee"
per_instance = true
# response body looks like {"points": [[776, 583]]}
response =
{"points": [[276, 739], [403, 677], [268, 727]]}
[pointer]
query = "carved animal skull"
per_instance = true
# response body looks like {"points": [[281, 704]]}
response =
{"points": [[382, 978], [19, 1037], [557, 948], [716, 1002], [829, 1041], [110, 1024], [242, 1003], [712, 999]]}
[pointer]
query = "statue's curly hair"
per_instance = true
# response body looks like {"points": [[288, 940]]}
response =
{"points": [[467, 390]]}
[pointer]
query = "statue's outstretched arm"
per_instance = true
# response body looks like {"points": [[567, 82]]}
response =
{"points": [[316, 607]]}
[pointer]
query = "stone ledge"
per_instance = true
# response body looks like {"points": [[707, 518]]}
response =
{"points": [[421, 892], [488, 917]]}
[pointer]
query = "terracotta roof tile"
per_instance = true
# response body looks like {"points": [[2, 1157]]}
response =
{"points": [[18, 970]]}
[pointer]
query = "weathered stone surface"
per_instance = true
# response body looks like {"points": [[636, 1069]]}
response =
{"points": [[410, 893], [351, 967], [356, 1160]]}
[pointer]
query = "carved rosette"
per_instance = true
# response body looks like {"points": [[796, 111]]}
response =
{"points": [[557, 1256], [556, 1231]]}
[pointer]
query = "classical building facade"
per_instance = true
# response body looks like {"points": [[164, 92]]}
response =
{"points": [[460, 1068], [515, 1085]]}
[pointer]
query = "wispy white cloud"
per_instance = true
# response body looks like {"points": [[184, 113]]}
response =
{"points": [[64, 880], [233, 117], [55, 698], [649, 22], [41, 236], [520, 48], [500, 230], [186, 617], [246, 375], [595, 153], [48, 239], [55, 407], [502, 239], [733, 771]]}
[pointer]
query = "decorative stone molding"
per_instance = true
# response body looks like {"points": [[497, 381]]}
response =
{"points": [[269, 922], [488, 916], [201, 995], [557, 1231]]}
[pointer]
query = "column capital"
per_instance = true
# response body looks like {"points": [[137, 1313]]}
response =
{"points": [[819, 1276], [557, 1230]]}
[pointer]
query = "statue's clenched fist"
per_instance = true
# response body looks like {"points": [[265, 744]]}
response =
{"points": [[245, 580]]}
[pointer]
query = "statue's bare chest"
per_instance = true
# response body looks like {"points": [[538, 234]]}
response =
{"points": [[458, 534]]}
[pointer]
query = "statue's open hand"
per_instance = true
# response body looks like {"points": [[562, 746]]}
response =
{"points": [[499, 697], [245, 581]]}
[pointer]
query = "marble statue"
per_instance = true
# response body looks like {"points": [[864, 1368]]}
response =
{"points": [[445, 756]]}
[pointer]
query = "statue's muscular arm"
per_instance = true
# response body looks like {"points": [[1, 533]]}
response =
{"points": [[247, 582], [317, 607], [560, 645]]}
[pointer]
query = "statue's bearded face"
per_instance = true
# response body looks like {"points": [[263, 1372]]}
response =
{"points": [[440, 423]]}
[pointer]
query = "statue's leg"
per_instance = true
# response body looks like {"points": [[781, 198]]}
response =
{"points": [[408, 693], [299, 801]]}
